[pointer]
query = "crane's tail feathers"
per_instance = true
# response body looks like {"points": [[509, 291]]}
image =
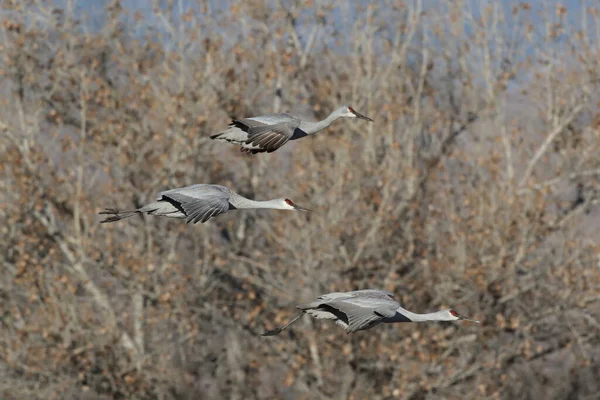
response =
{"points": [[116, 215], [223, 135], [277, 331]]}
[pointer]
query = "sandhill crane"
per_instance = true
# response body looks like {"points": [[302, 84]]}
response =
{"points": [[199, 203], [267, 133], [363, 309]]}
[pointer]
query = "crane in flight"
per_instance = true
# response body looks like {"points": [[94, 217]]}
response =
{"points": [[268, 133], [199, 203], [363, 309]]}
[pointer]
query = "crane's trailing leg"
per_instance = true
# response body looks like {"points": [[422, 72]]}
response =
{"points": [[116, 215], [277, 331]]}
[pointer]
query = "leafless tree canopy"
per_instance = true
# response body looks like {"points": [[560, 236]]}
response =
{"points": [[476, 188]]}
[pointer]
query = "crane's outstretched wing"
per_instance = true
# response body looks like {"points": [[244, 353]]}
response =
{"points": [[202, 206], [365, 311], [271, 137], [371, 293], [246, 123]]}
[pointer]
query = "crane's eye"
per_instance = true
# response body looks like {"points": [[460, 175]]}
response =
{"points": [[289, 202], [454, 313], [351, 110]]}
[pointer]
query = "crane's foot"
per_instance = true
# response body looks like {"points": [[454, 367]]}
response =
{"points": [[272, 332]]}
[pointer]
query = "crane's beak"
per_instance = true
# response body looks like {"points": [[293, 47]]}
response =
{"points": [[360, 116], [297, 207], [463, 318]]}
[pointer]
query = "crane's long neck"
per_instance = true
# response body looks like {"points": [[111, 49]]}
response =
{"points": [[313, 127], [243, 203], [402, 314]]}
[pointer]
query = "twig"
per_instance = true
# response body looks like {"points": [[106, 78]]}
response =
{"points": [[544, 147], [554, 181]]}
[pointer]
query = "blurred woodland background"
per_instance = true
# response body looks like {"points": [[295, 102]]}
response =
{"points": [[476, 188]]}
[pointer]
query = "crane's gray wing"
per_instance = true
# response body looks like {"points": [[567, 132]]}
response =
{"points": [[333, 296], [199, 191], [270, 119], [363, 312], [271, 137], [246, 123], [371, 293], [201, 207]]}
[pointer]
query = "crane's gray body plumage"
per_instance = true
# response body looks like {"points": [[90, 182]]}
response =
{"points": [[199, 203], [354, 311], [270, 132], [195, 203], [267, 133]]}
